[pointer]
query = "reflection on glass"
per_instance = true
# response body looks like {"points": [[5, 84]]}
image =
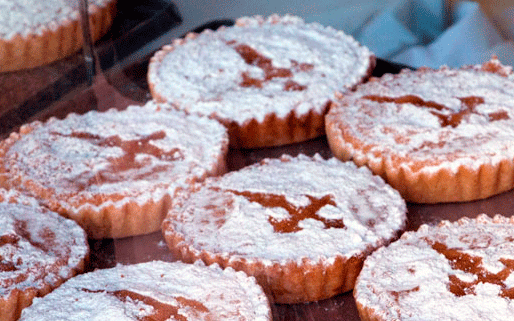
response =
{"points": [[89, 56]]}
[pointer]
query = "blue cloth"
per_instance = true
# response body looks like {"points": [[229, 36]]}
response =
{"points": [[423, 33]]}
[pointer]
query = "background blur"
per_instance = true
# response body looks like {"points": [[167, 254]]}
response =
{"points": [[413, 32]]}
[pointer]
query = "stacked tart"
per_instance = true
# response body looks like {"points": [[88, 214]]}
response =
{"points": [[452, 271], [435, 135], [39, 250], [301, 226], [113, 172], [34, 33], [268, 80], [155, 291]]}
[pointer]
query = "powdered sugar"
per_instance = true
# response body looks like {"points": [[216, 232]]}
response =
{"points": [[220, 218], [453, 118], [205, 74], [139, 153], [37, 247], [455, 271], [174, 291], [24, 17]]}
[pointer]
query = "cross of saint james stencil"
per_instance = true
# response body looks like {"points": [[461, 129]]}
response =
{"points": [[473, 264], [128, 160], [450, 118], [297, 213], [161, 311]]}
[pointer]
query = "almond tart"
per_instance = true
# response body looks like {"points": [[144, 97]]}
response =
{"points": [[301, 226], [113, 172], [436, 136], [268, 80], [39, 250], [155, 290], [452, 271], [34, 33]]}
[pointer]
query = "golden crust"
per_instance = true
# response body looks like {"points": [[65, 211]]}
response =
{"points": [[23, 52], [367, 314], [101, 216], [12, 306], [276, 131], [465, 184], [18, 294], [273, 130], [285, 282]]}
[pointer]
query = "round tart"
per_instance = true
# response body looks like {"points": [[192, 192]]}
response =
{"points": [[435, 135], [268, 80], [155, 291], [302, 226], [453, 271], [34, 33], [115, 172], [39, 250]]}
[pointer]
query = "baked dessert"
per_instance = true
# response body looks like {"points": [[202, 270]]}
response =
{"points": [[301, 226], [39, 250], [268, 80], [452, 271], [155, 291], [35, 33], [440, 135], [113, 172]]}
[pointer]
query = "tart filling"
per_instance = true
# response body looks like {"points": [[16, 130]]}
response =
{"points": [[155, 291], [34, 33], [260, 71], [453, 271], [301, 226], [114, 172], [39, 250], [435, 135]]}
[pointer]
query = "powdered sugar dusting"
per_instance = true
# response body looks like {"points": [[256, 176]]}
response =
{"points": [[455, 271], [37, 247], [223, 218], [140, 153], [173, 291], [206, 74], [24, 17], [445, 118]]}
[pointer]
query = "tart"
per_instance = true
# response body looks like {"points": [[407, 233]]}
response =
{"points": [[114, 172], [436, 136], [268, 80], [34, 33], [452, 271], [301, 226], [155, 291], [39, 250]]}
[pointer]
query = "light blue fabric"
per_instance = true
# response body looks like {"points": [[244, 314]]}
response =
{"points": [[421, 33], [468, 41], [406, 24]]}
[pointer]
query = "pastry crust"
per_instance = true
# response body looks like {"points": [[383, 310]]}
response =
{"points": [[155, 290], [453, 271], [302, 238], [52, 44], [400, 127], [264, 94], [39, 250], [114, 182], [289, 282]]}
